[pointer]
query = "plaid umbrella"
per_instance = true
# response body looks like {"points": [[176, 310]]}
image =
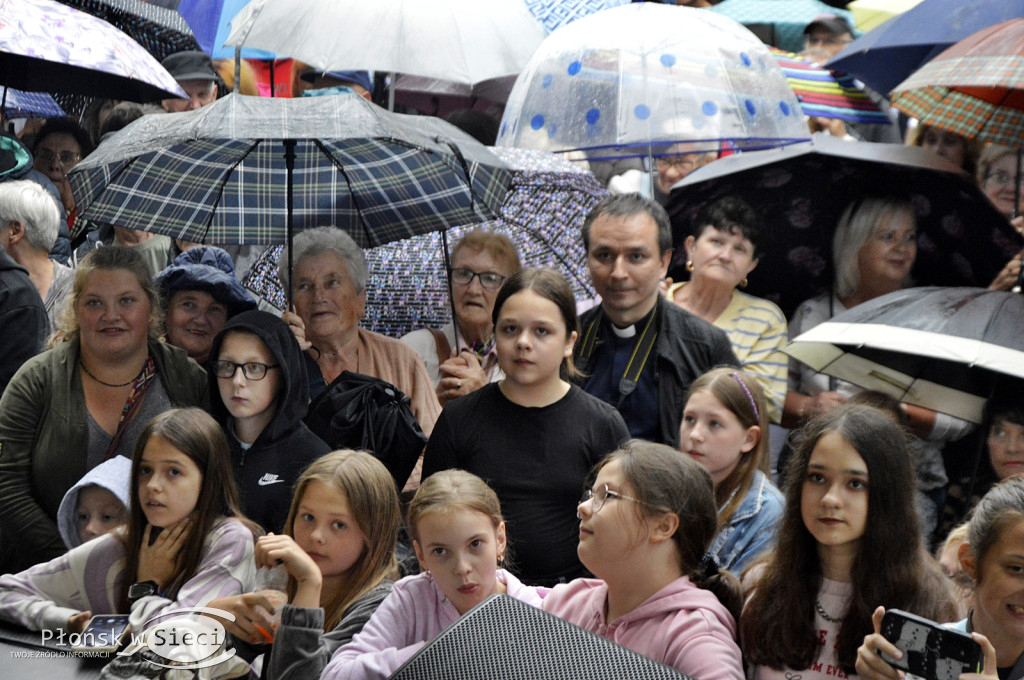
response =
{"points": [[975, 88], [18, 104], [219, 174], [407, 289], [160, 30], [828, 94]]}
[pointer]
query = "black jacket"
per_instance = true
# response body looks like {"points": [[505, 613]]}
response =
{"points": [[687, 347], [23, 321], [267, 472]]}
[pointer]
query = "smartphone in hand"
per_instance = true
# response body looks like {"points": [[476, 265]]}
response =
{"points": [[103, 635], [930, 651]]}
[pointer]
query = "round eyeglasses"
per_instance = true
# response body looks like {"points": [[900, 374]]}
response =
{"points": [[67, 158], [597, 497], [252, 370], [489, 280]]}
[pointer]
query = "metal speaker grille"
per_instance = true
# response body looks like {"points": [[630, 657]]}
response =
{"points": [[505, 639]]}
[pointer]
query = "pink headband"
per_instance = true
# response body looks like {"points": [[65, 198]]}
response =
{"points": [[750, 396]]}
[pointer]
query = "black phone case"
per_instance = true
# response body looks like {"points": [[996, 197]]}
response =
{"points": [[930, 651]]}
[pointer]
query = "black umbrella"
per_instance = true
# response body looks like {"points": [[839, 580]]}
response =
{"points": [[940, 348], [803, 189]]}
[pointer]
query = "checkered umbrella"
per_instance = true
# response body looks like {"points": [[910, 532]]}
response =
{"points": [[975, 88], [18, 104], [220, 174]]}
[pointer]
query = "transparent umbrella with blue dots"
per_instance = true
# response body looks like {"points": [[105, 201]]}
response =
{"points": [[636, 80]]}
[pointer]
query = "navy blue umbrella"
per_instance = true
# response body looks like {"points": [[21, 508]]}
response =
{"points": [[886, 56]]}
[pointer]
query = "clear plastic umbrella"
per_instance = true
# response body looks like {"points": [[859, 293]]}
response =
{"points": [[619, 81]]}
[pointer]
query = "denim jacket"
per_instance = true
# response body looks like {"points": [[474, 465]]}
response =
{"points": [[752, 527]]}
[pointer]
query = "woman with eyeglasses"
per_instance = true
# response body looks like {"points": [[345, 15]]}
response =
{"points": [[59, 146], [86, 400], [1000, 180], [481, 261], [646, 523], [533, 436], [258, 374], [328, 282]]}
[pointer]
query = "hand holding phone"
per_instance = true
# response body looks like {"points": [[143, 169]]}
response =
{"points": [[929, 650], [103, 635]]}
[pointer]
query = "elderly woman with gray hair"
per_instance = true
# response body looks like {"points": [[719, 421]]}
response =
{"points": [[328, 284], [873, 251]]}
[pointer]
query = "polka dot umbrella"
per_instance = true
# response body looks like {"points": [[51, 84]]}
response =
{"points": [[625, 81]]}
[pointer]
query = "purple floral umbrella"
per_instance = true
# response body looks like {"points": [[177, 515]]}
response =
{"points": [[49, 47], [542, 213]]}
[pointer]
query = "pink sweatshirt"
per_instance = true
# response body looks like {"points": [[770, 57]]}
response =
{"points": [[681, 625], [413, 614]]}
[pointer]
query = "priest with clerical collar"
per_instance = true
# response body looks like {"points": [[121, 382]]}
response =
{"points": [[638, 351]]}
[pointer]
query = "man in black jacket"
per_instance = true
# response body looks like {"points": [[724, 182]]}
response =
{"points": [[23, 321], [640, 352]]}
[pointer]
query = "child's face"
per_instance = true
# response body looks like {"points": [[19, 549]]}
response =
{"points": [[1006, 448], [460, 549], [327, 530], [248, 399], [531, 339], [98, 511], [834, 498], [169, 483], [999, 593], [609, 536], [713, 436]]}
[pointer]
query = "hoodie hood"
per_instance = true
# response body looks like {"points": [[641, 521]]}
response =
{"points": [[113, 475], [279, 339]]}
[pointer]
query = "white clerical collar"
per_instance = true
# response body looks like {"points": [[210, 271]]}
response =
{"points": [[627, 332]]}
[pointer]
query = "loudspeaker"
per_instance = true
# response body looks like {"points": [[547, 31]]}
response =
{"points": [[505, 639]]}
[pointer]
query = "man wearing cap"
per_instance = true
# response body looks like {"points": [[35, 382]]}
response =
{"points": [[195, 73], [359, 82]]}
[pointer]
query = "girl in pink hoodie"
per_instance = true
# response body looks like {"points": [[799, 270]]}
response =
{"points": [[646, 524]]}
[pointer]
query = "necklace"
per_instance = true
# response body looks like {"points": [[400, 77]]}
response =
{"points": [[821, 610], [89, 373]]}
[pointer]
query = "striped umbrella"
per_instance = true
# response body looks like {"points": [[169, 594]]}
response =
{"points": [[975, 88], [828, 94]]}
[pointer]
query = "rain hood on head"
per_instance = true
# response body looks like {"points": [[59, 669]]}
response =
{"points": [[284, 348], [113, 475]]}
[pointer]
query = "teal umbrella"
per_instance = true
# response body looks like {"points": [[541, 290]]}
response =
{"points": [[778, 22]]}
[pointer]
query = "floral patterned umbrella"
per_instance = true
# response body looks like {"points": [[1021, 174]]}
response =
{"points": [[49, 47], [160, 30]]}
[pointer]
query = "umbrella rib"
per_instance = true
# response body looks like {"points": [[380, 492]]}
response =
{"points": [[348, 182]]}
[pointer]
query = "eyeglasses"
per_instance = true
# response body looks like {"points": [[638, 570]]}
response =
{"points": [[830, 41], [681, 162], [489, 280], [603, 493], [66, 157], [252, 370], [1003, 178]]}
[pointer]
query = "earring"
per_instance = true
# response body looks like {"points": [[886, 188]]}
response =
{"points": [[743, 283], [689, 265]]}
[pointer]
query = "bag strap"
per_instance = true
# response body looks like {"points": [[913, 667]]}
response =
{"points": [[444, 348]]}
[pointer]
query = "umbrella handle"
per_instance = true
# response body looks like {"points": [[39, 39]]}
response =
{"points": [[1017, 287]]}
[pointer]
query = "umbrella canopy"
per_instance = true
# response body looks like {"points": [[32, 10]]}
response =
{"points": [[616, 82], [210, 20], [885, 57], [975, 88], [939, 348], [778, 22], [218, 174], [828, 94], [802, 190], [49, 47], [466, 41], [160, 30], [542, 213], [18, 104], [870, 14]]}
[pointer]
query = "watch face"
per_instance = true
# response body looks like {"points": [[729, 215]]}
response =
{"points": [[140, 590]]}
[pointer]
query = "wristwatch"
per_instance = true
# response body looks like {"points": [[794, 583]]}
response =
{"points": [[137, 591]]}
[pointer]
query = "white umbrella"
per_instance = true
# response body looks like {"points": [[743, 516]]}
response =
{"points": [[466, 41]]}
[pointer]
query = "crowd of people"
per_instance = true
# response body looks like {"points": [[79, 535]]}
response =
{"points": [[612, 466]]}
